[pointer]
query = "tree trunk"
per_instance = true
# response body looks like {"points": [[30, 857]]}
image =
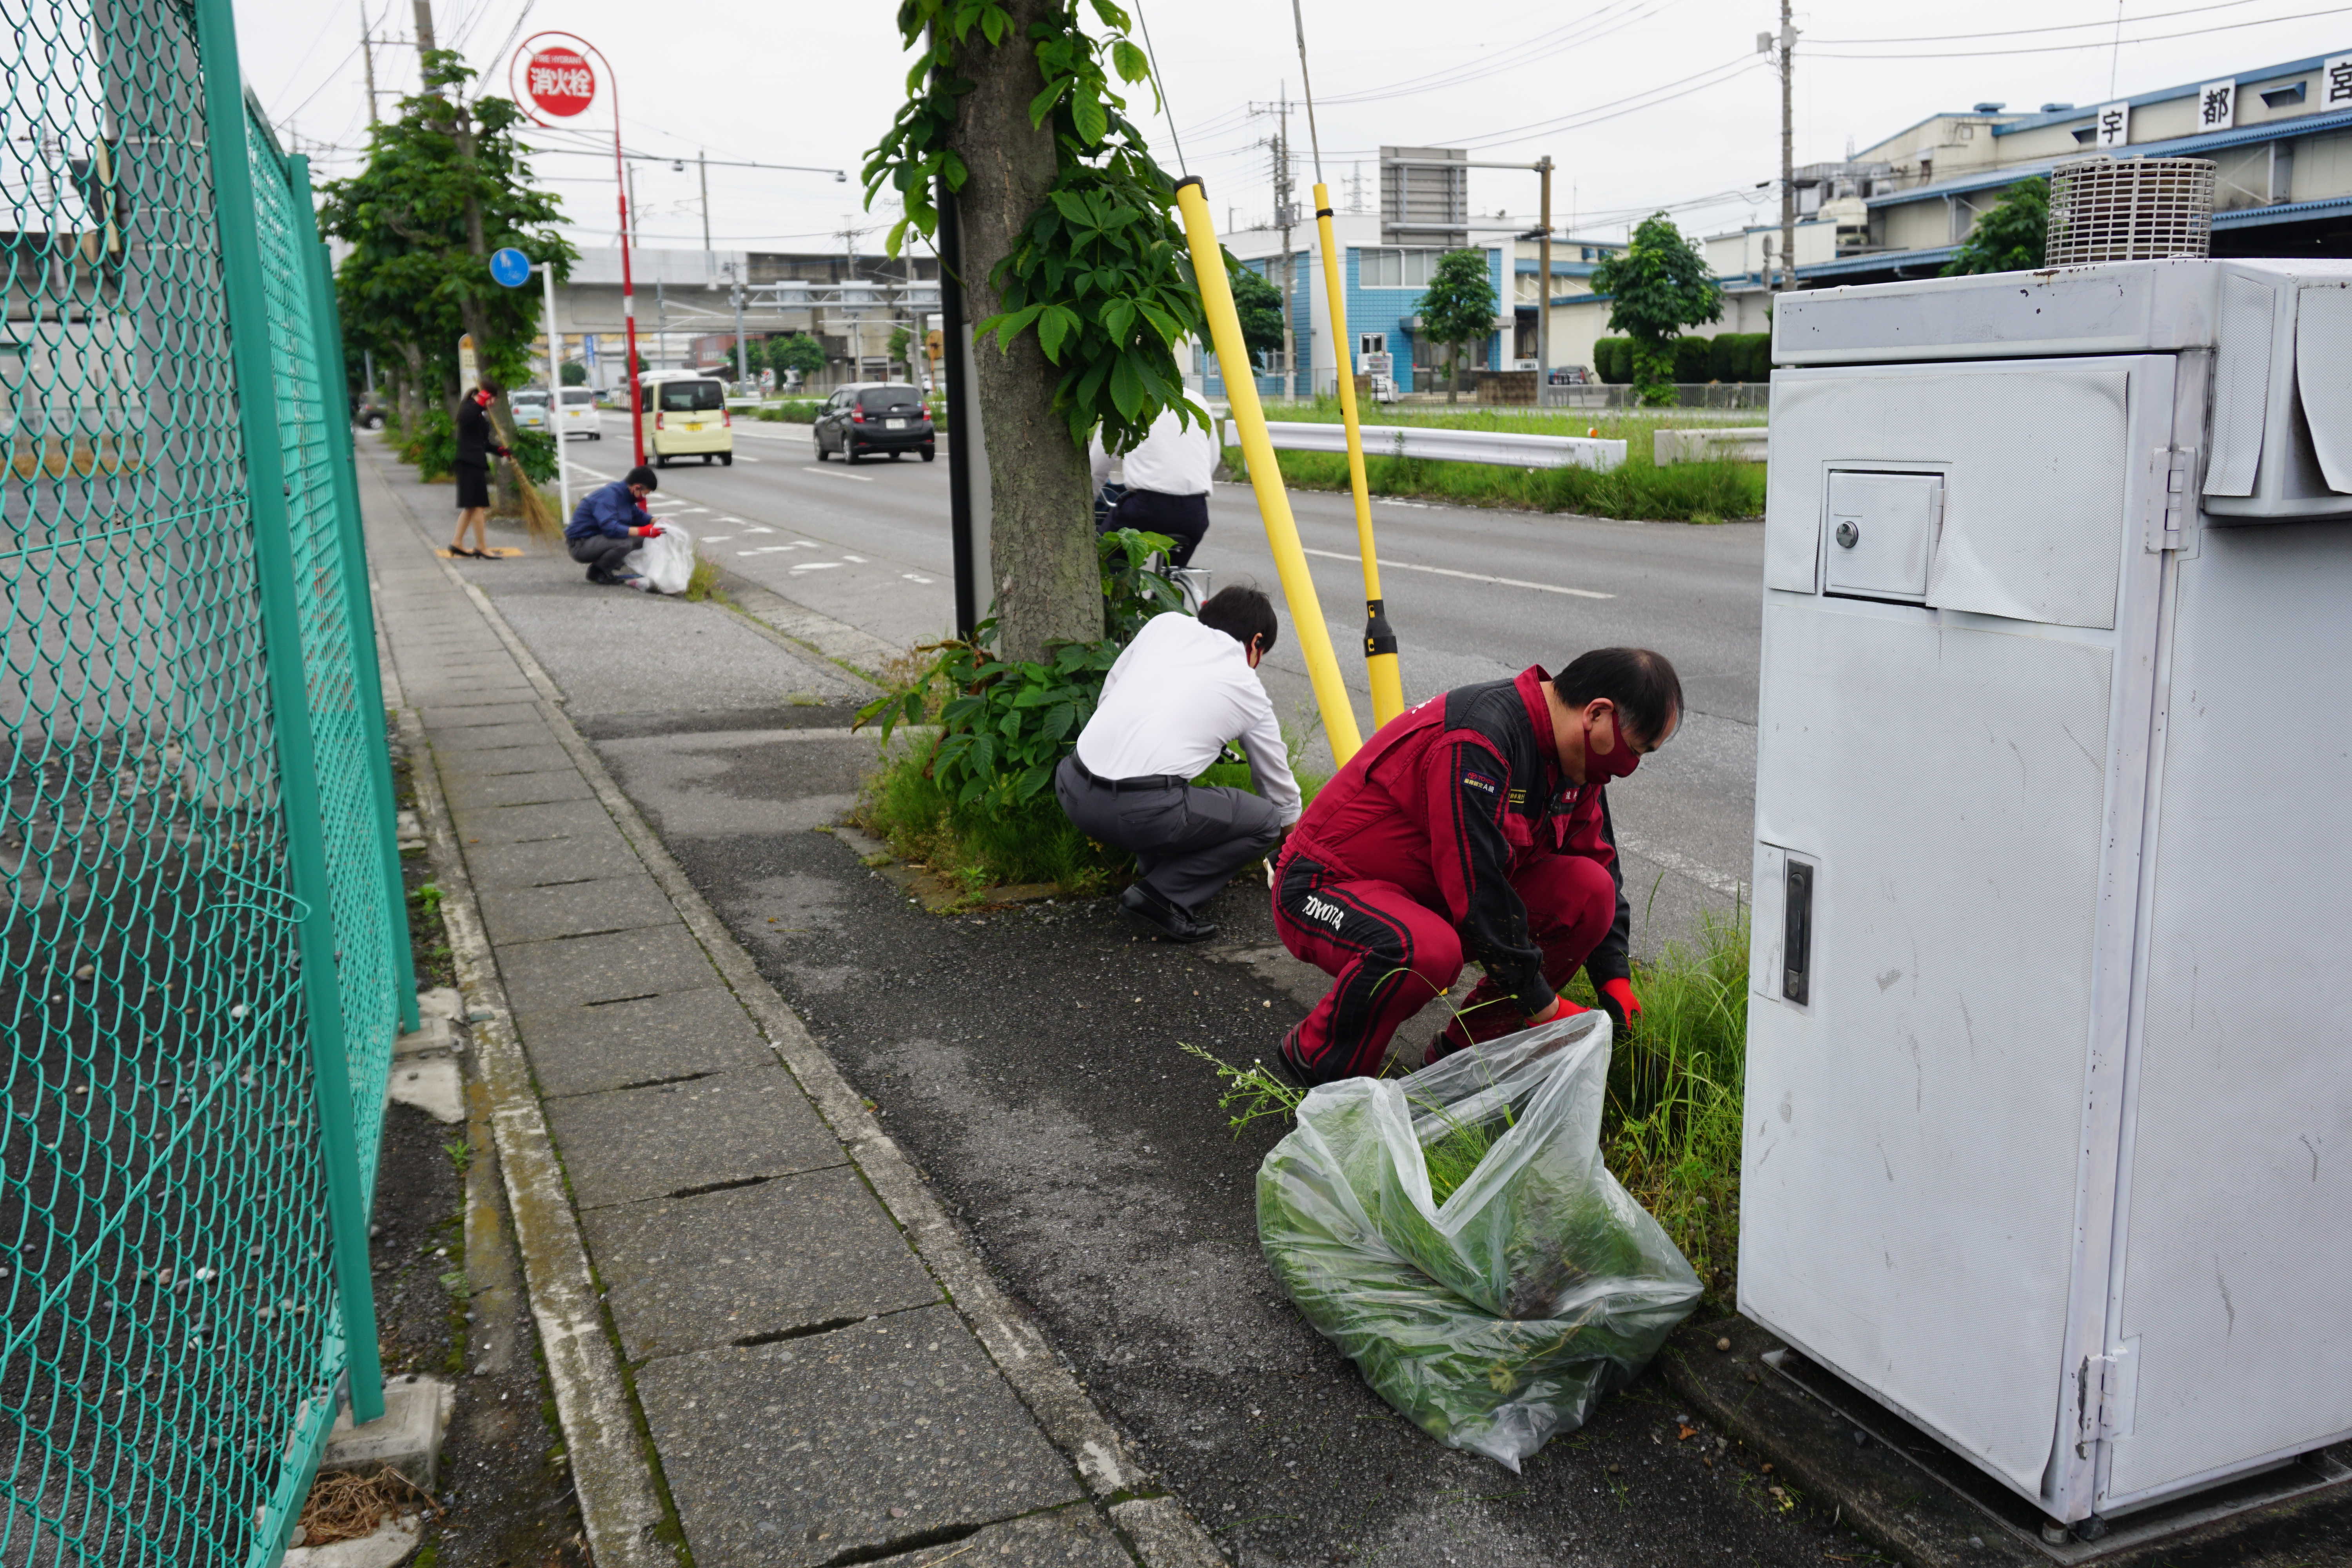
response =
{"points": [[1454, 374], [504, 500], [1042, 556]]}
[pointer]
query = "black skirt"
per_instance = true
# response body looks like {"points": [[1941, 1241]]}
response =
{"points": [[473, 486]]}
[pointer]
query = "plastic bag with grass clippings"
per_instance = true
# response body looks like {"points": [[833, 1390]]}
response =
{"points": [[1501, 1316], [665, 561]]}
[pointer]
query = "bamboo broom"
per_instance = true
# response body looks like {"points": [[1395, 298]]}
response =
{"points": [[538, 518]]}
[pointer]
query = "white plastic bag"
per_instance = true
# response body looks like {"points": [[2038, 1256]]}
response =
{"points": [[1501, 1316], [665, 561]]}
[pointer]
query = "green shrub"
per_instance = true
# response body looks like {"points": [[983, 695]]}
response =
{"points": [[1009, 723], [1613, 361], [1693, 359], [791, 411], [431, 444], [534, 453]]}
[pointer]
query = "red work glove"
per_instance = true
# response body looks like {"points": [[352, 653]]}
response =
{"points": [[650, 530], [1624, 1007]]}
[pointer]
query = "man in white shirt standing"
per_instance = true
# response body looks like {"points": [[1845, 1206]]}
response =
{"points": [[1183, 688], [1167, 478]]}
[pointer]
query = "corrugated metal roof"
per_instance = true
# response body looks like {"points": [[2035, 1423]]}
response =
{"points": [[2178, 147]]}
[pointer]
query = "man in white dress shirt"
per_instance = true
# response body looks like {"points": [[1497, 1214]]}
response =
{"points": [[1183, 688], [1167, 476]]}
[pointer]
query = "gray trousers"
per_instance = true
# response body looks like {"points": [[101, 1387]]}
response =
{"points": [[1190, 840], [603, 555]]}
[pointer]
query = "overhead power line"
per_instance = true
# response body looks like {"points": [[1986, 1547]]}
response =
{"points": [[2093, 43], [2055, 27]]}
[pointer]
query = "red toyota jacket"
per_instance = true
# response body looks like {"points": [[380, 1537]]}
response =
{"points": [[1451, 799]]}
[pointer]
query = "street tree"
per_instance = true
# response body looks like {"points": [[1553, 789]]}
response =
{"points": [[1658, 286], [2009, 237], [445, 184], [1458, 309], [1072, 267], [1259, 304], [795, 351], [574, 374]]}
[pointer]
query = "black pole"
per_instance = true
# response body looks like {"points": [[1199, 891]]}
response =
{"points": [[959, 412]]}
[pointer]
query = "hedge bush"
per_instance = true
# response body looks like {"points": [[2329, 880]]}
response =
{"points": [[1726, 356]]}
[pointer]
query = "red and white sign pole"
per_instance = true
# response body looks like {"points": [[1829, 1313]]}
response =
{"points": [[555, 74]]}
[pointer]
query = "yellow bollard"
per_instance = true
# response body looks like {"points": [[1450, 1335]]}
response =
{"points": [[1266, 475], [1380, 641]]}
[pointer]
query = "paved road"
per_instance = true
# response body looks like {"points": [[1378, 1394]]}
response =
{"points": [[1474, 594]]}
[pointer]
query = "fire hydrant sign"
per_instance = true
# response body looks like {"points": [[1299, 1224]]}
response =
{"points": [[560, 81]]}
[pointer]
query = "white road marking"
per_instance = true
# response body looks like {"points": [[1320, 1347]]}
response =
{"points": [[716, 538], [1472, 576], [815, 565], [1704, 875], [744, 458], [750, 527], [839, 474], [913, 577], [859, 559]]}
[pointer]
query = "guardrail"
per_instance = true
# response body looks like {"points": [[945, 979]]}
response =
{"points": [[1497, 447], [1741, 443]]}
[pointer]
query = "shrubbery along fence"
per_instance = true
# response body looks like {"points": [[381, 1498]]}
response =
{"points": [[204, 960]]}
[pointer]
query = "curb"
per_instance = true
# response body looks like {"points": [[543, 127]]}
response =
{"points": [[615, 1491], [618, 1505]]}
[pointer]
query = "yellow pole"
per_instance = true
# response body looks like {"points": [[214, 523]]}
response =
{"points": [[1380, 641], [1266, 475]]}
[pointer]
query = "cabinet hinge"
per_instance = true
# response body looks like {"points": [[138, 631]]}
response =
{"points": [[2171, 471], [2110, 1383]]}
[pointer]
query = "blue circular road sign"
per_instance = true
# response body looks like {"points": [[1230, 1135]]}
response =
{"points": [[510, 267]]}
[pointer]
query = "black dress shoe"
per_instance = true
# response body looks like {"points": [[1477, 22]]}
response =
{"points": [[1162, 919]]}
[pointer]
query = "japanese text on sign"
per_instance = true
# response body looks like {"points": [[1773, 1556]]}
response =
{"points": [[2337, 75], [2113, 123], [560, 82], [2217, 106]]}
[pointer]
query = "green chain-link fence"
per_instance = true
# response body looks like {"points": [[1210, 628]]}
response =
{"points": [[202, 956]]}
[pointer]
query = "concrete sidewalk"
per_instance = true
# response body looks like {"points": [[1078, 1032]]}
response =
{"points": [[768, 1341]]}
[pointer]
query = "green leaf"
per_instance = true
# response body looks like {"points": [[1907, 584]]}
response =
{"points": [[1126, 388], [1128, 61], [1054, 328], [1092, 121], [1119, 320]]}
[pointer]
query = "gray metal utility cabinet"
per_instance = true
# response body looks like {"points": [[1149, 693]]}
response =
{"points": [[2049, 1129]]}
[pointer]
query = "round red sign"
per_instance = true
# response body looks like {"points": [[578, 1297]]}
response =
{"points": [[560, 81]]}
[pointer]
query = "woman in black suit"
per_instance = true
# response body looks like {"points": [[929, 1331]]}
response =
{"points": [[475, 442]]}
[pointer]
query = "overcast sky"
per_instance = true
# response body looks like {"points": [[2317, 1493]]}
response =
{"points": [[1642, 103]]}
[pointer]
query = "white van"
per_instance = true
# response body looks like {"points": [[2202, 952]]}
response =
{"points": [[580, 417], [686, 415]]}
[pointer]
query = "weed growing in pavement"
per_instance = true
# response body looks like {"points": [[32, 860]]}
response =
{"points": [[1249, 1094], [1675, 1078], [704, 582], [983, 845]]}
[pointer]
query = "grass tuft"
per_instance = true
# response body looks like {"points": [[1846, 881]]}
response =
{"points": [[983, 845], [704, 582], [1675, 1081]]}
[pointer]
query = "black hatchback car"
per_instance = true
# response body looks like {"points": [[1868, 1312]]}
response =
{"points": [[874, 416]]}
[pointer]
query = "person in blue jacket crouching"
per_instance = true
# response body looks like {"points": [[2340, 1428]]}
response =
{"points": [[607, 524]]}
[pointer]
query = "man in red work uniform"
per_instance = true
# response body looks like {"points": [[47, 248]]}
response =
{"points": [[1474, 826]]}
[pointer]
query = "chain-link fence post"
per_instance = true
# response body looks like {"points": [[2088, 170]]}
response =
{"points": [[335, 381], [227, 141]]}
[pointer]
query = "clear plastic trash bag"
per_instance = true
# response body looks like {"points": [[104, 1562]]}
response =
{"points": [[1501, 1316], [665, 561]]}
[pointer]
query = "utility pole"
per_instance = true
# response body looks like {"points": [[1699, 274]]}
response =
{"points": [[742, 354], [1787, 149], [367, 55], [1283, 211], [709, 259], [1543, 288], [425, 28]]}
